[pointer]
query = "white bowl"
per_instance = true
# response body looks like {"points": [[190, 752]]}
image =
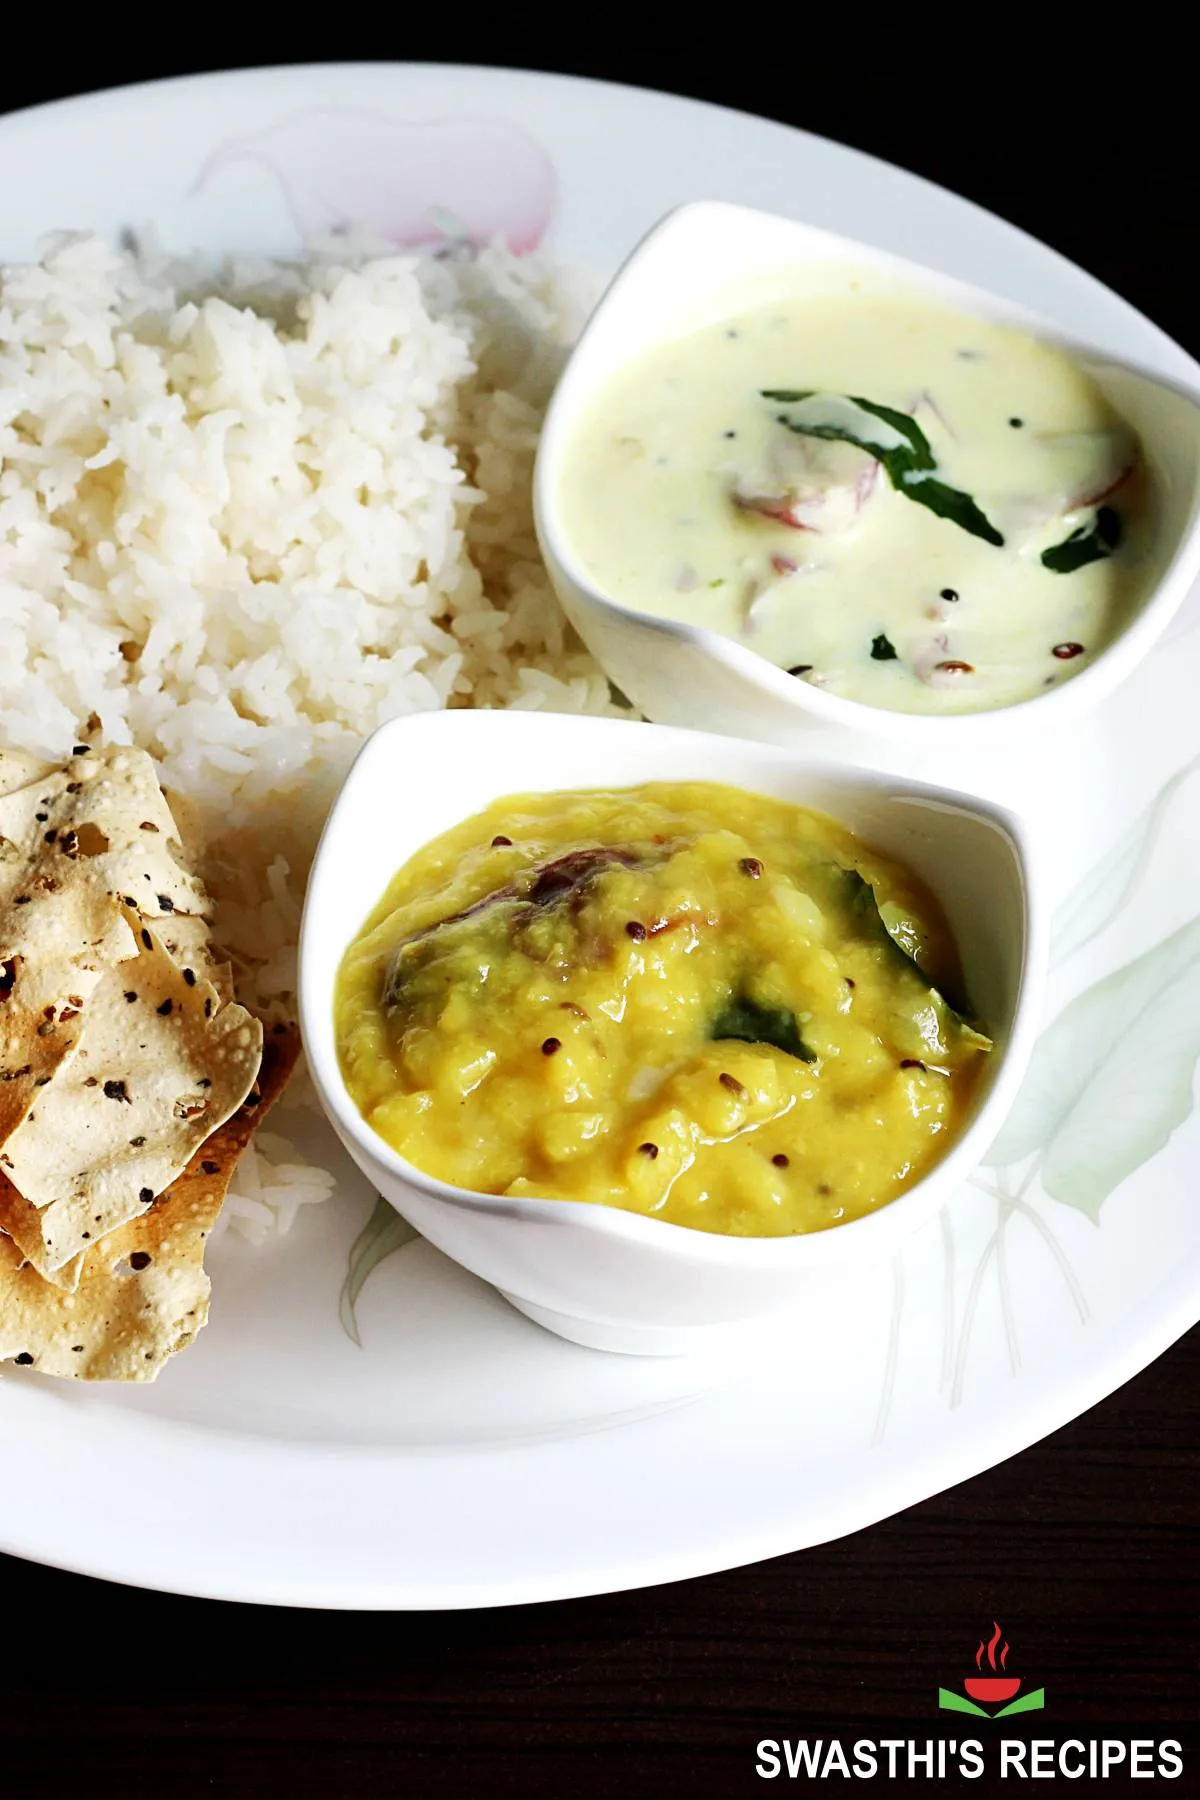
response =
{"points": [[619, 1280], [707, 261]]}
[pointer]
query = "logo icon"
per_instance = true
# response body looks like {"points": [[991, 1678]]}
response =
{"points": [[992, 1693]]}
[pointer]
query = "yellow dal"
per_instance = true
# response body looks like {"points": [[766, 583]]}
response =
{"points": [[558, 1041]]}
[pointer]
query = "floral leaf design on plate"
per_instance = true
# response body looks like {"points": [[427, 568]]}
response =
{"points": [[1112, 1077], [384, 1232], [402, 179], [1112, 882], [1108, 1083]]}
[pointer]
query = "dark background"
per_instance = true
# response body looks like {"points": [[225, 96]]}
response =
{"points": [[1085, 1546]]}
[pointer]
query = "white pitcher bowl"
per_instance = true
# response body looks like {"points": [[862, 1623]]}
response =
{"points": [[601, 1276], [708, 261]]}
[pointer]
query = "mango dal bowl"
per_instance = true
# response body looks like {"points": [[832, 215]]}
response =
{"points": [[594, 1273]]}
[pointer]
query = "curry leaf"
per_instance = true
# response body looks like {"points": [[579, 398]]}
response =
{"points": [[922, 451], [951, 503], [865, 906], [882, 648], [893, 932], [1111, 1079], [916, 453], [908, 464], [1086, 544], [384, 1232], [751, 1023]]}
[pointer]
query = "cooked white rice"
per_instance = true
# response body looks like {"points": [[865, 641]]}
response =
{"points": [[244, 519]]}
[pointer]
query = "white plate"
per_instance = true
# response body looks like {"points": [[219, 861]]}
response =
{"points": [[461, 1456]]}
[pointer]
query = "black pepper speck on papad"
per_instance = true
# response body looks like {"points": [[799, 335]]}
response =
{"points": [[143, 1293], [61, 918], [98, 1018], [74, 1166]]}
